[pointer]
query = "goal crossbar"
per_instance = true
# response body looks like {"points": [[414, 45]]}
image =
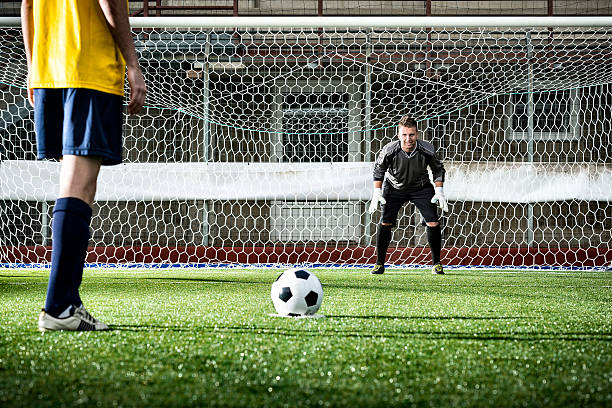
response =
{"points": [[358, 22]]}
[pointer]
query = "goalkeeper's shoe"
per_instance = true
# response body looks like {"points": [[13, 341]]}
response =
{"points": [[378, 270], [437, 269], [78, 319]]}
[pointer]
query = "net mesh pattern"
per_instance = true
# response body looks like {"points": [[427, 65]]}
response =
{"points": [[256, 145]]}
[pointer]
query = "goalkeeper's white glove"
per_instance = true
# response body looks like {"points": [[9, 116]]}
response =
{"points": [[376, 198], [440, 199]]}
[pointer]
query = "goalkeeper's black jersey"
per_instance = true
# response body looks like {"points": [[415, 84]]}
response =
{"points": [[408, 171]]}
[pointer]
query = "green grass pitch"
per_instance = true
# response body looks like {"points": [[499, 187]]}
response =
{"points": [[185, 337]]}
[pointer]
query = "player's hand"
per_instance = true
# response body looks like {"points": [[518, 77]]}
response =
{"points": [[31, 96], [440, 199], [376, 198], [138, 90], [30, 90]]}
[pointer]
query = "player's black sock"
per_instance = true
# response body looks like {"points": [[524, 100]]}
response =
{"points": [[383, 237], [71, 218], [434, 237]]}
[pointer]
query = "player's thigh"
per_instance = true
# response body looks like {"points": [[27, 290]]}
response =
{"points": [[395, 201], [422, 200], [78, 177]]}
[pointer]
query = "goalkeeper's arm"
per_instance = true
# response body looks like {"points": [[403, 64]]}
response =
{"points": [[376, 197]]}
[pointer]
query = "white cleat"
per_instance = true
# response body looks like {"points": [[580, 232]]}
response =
{"points": [[78, 320]]}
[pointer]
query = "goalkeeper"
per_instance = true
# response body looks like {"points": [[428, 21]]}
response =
{"points": [[404, 163]]}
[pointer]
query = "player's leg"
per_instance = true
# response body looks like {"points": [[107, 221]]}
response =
{"points": [[79, 177], [429, 211], [434, 237], [70, 228], [385, 227], [91, 134], [383, 238]]}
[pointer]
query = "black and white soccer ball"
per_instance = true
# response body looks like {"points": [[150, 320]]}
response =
{"points": [[297, 292]]}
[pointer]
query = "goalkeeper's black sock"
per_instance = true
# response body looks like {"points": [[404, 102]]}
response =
{"points": [[383, 237], [434, 237]]}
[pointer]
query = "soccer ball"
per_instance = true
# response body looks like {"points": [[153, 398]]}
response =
{"points": [[297, 292]]}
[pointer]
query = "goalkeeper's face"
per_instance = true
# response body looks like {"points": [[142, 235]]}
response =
{"points": [[408, 137]]}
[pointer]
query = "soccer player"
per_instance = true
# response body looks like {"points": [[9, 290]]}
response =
{"points": [[405, 162], [77, 52]]}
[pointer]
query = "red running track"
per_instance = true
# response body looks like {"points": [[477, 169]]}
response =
{"points": [[585, 257]]}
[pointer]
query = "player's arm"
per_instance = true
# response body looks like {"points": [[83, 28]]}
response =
{"points": [[116, 14], [27, 28], [380, 167]]}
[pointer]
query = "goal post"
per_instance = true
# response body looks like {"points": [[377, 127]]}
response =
{"points": [[361, 22], [258, 136]]}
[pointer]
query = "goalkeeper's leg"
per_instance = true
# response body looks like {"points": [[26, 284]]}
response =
{"points": [[429, 211], [395, 201], [434, 237], [383, 238]]}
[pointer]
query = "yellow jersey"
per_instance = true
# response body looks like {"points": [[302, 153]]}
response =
{"points": [[73, 47]]}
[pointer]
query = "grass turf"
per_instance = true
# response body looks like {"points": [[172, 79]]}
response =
{"points": [[205, 338]]}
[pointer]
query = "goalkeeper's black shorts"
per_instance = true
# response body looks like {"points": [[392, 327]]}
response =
{"points": [[420, 198]]}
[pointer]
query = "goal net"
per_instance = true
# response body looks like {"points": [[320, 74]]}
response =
{"points": [[258, 137]]}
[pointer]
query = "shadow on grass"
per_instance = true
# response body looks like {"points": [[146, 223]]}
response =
{"points": [[391, 334], [194, 280], [204, 280], [428, 317], [151, 328]]}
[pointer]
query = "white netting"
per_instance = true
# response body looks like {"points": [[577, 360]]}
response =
{"points": [[256, 146]]}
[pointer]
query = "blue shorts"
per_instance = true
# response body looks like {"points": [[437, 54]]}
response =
{"points": [[78, 121]]}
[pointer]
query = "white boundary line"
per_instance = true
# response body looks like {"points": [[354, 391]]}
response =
{"points": [[356, 270], [360, 268]]}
